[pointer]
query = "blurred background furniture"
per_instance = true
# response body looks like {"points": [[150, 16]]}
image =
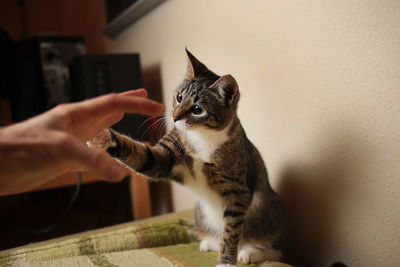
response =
{"points": [[53, 52]]}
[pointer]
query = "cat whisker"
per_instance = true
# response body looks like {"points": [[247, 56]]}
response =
{"points": [[149, 127], [161, 128], [147, 120]]}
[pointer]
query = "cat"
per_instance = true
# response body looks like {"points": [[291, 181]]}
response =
{"points": [[238, 214]]}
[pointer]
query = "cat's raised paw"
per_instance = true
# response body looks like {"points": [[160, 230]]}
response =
{"points": [[103, 140]]}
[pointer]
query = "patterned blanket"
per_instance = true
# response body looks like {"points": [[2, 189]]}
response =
{"points": [[168, 243]]}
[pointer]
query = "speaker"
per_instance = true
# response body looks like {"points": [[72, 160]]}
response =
{"points": [[95, 75], [43, 76]]}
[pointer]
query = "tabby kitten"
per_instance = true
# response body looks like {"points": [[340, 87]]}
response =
{"points": [[238, 215]]}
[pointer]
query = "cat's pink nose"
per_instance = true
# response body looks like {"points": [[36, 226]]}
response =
{"points": [[176, 116]]}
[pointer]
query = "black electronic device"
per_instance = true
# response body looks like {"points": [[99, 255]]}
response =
{"points": [[95, 75], [43, 77]]}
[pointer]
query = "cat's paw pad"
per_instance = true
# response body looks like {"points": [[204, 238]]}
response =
{"points": [[225, 265], [208, 244], [103, 140]]}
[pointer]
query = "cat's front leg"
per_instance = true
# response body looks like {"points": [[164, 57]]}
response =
{"points": [[236, 202], [136, 155], [153, 161]]}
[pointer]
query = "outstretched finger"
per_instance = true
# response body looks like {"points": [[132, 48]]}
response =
{"points": [[117, 116], [98, 108]]}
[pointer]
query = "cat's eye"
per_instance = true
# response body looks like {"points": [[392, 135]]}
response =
{"points": [[197, 110], [179, 98]]}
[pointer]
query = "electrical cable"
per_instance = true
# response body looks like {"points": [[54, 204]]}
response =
{"points": [[57, 220]]}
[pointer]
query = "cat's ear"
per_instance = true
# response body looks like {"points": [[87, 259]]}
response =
{"points": [[195, 68], [227, 87]]}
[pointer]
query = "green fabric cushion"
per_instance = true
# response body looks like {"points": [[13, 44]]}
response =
{"points": [[167, 243]]}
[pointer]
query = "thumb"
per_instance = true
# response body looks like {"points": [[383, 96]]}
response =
{"points": [[95, 160]]}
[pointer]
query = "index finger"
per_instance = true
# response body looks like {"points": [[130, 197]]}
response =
{"points": [[96, 109], [105, 105]]}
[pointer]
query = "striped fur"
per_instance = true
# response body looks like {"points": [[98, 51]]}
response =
{"points": [[210, 154]]}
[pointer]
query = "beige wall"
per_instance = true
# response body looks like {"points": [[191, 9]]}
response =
{"points": [[320, 99]]}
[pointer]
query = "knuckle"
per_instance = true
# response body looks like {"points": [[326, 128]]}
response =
{"points": [[64, 113], [62, 109], [112, 98]]}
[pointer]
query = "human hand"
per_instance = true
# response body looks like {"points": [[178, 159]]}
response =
{"points": [[51, 144]]}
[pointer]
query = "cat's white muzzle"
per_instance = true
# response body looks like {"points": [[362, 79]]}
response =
{"points": [[181, 125]]}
